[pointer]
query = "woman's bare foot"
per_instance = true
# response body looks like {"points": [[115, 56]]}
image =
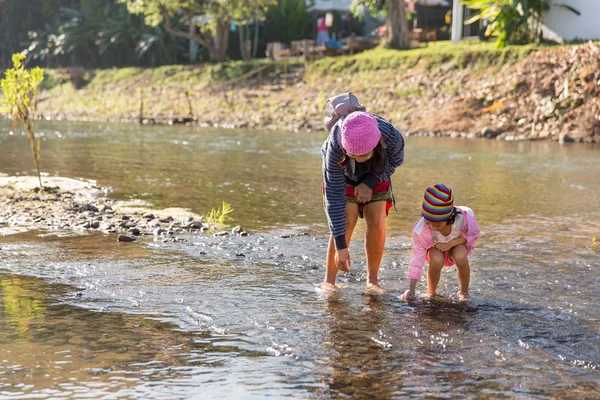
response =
{"points": [[328, 287], [463, 297], [429, 295], [374, 288]]}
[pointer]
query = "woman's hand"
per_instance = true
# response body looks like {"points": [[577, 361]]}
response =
{"points": [[342, 260], [363, 193]]}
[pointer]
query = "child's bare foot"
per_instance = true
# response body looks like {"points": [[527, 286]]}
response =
{"points": [[328, 287], [374, 288], [463, 297]]}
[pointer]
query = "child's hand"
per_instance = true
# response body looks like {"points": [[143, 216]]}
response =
{"points": [[442, 246], [363, 193], [408, 295]]}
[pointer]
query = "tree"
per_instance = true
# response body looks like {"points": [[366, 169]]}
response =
{"points": [[20, 89], [396, 21], [212, 18], [397, 24], [288, 20]]}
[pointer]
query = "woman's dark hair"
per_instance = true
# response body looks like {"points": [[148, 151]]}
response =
{"points": [[376, 163], [452, 218]]}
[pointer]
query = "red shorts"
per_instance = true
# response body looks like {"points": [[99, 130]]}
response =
{"points": [[381, 192], [448, 261]]}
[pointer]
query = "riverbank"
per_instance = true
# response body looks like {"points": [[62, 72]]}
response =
{"points": [[474, 90], [76, 205]]}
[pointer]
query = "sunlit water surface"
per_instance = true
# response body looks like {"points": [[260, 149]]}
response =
{"points": [[240, 317]]}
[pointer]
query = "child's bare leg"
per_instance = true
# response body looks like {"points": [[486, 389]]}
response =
{"points": [[374, 241], [330, 268], [436, 263], [463, 270]]}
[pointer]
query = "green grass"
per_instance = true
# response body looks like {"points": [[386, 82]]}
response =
{"points": [[435, 54], [102, 77], [53, 78]]}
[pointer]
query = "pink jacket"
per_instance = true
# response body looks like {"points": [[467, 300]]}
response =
{"points": [[423, 240]]}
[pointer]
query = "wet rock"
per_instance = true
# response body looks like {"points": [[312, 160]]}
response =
{"points": [[240, 255], [106, 226], [95, 225], [148, 216], [237, 230], [134, 231], [89, 207], [221, 234], [125, 238], [166, 220], [195, 225], [158, 231], [153, 223], [244, 234], [489, 133], [106, 208], [565, 138], [125, 217]]}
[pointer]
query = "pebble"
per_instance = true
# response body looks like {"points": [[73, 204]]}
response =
{"points": [[125, 238]]}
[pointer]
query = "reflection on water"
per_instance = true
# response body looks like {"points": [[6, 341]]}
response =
{"points": [[239, 317], [274, 179]]}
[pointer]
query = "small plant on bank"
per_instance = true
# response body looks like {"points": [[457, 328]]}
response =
{"points": [[219, 216], [20, 89]]}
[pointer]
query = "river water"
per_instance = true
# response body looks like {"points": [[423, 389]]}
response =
{"points": [[83, 316]]}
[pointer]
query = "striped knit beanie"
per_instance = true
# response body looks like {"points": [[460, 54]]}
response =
{"points": [[438, 203]]}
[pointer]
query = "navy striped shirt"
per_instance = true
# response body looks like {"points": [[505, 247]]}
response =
{"points": [[334, 176]]}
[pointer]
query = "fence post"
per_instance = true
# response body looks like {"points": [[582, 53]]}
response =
{"points": [[141, 117], [306, 49]]}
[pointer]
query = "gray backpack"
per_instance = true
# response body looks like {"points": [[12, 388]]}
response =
{"points": [[339, 106]]}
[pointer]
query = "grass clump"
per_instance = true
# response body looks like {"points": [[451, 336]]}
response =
{"points": [[53, 78], [102, 77], [219, 216]]}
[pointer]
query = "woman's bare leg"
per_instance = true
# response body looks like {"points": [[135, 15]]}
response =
{"points": [[330, 268], [374, 214]]}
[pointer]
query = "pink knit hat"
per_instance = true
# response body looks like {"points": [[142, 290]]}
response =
{"points": [[360, 133]]}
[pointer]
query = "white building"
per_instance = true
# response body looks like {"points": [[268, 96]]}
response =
{"points": [[566, 20], [562, 24], [332, 5]]}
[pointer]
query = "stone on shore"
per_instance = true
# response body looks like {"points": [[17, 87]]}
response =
{"points": [[125, 238]]}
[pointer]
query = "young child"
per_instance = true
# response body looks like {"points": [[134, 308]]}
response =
{"points": [[445, 235]]}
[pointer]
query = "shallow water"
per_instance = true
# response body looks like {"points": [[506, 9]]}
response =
{"points": [[241, 317]]}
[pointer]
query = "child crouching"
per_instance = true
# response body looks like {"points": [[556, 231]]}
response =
{"points": [[444, 236]]}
